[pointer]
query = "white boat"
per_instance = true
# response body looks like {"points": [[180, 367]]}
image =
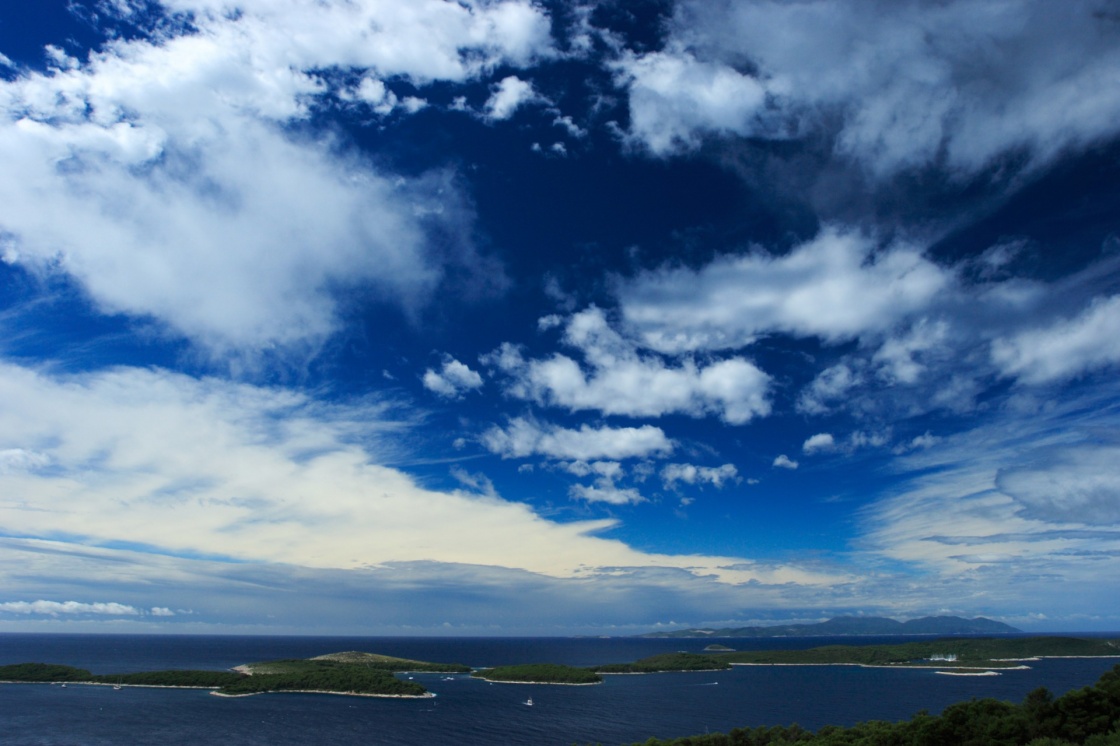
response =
{"points": [[529, 701]]}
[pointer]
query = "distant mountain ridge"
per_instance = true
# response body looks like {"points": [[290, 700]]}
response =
{"points": [[858, 625]]}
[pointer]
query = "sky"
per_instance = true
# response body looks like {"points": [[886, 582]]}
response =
{"points": [[557, 317]]}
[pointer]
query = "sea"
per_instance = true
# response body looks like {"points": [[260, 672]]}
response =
{"points": [[625, 709]]}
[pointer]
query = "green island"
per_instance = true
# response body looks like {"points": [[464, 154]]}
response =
{"points": [[539, 673], [353, 673], [1089, 716], [667, 662]]}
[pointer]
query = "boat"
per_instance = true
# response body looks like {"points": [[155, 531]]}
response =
{"points": [[529, 702]]}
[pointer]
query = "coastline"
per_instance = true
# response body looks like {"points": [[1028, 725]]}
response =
{"points": [[106, 683], [540, 683], [698, 670], [425, 695], [214, 690], [926, 668]]}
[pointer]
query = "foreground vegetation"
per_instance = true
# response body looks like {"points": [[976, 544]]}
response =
{"points": [[539, 673], [1089, 716], [986, 652]]}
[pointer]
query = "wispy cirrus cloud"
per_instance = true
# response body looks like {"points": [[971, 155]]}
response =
{"points": [[173, 465]]}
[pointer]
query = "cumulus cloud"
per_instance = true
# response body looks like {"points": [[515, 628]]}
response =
{"points": [[622, 381], [836, 287], [524, 437], [55, 608], [899, 85], [187, 200], [675, 99], [819, 442], [452, 380], [509, 94], [784, 462], [606, 491], [716, 476], [1065, 348]]}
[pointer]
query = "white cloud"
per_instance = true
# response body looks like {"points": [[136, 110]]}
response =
{"points": [[509, 94], [19, 459], [691, 474], [835, 287], [621, 381], [1073, 485], [54, 608], [525, 437], [187, 202], [1065, 348], [785, 462], [569, 124], [829, 386], [819, 442], [900, 85], [202, 467], [380, 98], [1022, 507], [162, 611], [606, 493], [453, 380], [674, 99]]}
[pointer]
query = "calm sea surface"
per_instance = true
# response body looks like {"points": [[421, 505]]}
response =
{"points": [[624, 709]]}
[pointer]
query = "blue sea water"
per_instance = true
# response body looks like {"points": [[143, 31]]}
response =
{"points": [[469, 712]]}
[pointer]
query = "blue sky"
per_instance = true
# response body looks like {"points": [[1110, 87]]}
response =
{"points": [[512, 317]]}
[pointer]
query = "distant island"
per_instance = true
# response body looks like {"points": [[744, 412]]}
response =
{"points": [[942, 653], [852, 625]]}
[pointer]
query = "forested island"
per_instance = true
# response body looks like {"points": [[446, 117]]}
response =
{"points": [[1089, 716], [539, 673], [354, 673]]}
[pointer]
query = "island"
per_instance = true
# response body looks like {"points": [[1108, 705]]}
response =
{"points": [[944, 653], [352, 673], [538, 673], [667, 662], [850, 626]]}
